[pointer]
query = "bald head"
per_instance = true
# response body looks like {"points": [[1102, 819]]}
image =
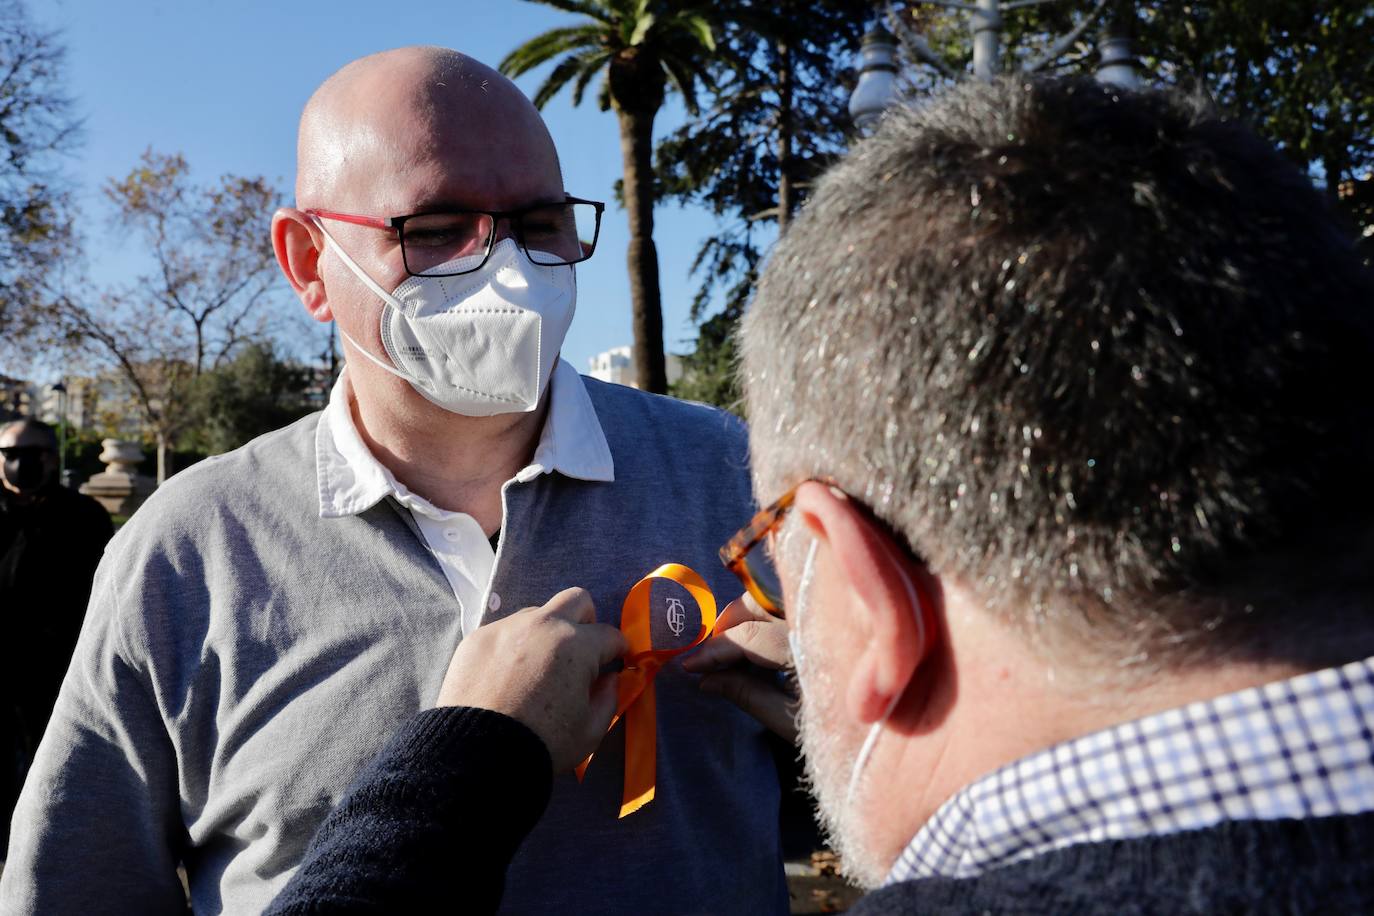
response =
{"points": [[28, 432], [372, 135]]}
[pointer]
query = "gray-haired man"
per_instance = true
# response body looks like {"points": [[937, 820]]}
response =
{"points": [[1069, 390]]}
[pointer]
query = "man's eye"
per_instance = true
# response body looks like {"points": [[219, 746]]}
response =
{"points": [[436, 237], [444, 230]]}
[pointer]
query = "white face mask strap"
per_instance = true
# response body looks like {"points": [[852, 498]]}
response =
{"points": [[866, 750], [358, 271], [871, 740], [794, 642], [804, 586], [363, 350], [372, 285]]}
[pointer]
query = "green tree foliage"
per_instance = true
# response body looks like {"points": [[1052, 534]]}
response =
{"points": [[708, 372], [1302, 74], [253, 393], [212, 271], [37, 126], [778, 116], [640, 48]]}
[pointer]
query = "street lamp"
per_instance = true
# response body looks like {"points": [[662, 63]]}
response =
{"points": [[877, 85], [61, 390], [1117, 66]]}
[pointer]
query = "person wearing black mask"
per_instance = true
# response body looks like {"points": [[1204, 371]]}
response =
{"points": [[51, 539]]}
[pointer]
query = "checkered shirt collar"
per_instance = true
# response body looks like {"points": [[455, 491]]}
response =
{"points": [[1299, 748]]}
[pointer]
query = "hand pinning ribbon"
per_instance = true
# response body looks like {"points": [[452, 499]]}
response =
{"points": [[635, 695]]}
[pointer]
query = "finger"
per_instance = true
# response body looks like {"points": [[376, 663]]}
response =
{"points": [[756, 609], [600, 710], [573, 604], [716, 653], [605, 641], [758, 696], [763, 643], [742, 609]]}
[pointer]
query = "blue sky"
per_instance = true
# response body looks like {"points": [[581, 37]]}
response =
{"points": [[224, 83]]}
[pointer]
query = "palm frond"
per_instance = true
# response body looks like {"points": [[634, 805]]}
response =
{"points": [[543, 48], [565, 70], [642, 25], [697, 26], [593, 63], [600, 11], [685, 79]]}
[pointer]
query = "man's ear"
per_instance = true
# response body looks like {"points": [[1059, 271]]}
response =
{"points": [[298, 251], [890, 598]]}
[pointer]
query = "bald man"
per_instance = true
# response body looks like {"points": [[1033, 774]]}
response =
{"points": [[270, 617]]}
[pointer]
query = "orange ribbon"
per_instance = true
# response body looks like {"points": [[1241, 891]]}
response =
{"points": [[635, 692]]}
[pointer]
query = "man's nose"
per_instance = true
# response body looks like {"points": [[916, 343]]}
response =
{"points": [[504, 229]]}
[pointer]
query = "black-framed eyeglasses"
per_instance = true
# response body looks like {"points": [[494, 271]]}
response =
{"points": [[550, 234]]}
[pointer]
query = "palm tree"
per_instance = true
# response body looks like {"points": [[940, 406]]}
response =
{"points": [[641, 46]]}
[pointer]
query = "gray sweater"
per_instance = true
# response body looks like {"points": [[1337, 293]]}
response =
{"points": [[242, 659]]}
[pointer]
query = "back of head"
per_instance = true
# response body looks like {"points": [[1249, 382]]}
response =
{"points": [[1098, 355]]}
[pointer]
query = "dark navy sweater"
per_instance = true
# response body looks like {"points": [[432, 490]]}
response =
{"points": [[431, 825], [1320, 865]]}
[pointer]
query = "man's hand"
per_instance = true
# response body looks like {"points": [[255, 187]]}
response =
{"points": [[741, 661], [542, 667]]}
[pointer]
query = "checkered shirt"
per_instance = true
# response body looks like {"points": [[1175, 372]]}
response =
{"points": [[1299, 748]]}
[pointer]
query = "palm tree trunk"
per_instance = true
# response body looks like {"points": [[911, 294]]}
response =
{"points": [[785, 129], [636, 149]]}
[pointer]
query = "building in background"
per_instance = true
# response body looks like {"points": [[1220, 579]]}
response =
{"points": [[615, 366], [16, 397]]}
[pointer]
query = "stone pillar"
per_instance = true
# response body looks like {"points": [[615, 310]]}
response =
{"points": [[120, 488]]}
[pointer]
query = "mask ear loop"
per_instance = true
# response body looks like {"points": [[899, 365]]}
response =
{"points": [[358, 271], [371, 284], [803, 593], [871, 740]]}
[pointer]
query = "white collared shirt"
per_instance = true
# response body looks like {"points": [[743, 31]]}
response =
{"points": [[352, 480]]}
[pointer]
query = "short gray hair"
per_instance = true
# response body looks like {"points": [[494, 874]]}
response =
{"points": [[1095, 354]]}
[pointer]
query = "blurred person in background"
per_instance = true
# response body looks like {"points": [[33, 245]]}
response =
{"points": [[51, 539]]}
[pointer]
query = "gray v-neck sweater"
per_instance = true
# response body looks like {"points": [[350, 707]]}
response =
{"points": [[242, 659]]}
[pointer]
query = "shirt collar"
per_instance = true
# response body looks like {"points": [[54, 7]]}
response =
{"points": [[1297, 748], [352, 480]]}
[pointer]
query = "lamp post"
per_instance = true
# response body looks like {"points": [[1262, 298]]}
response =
{"points": [[877, 85], [1118, 66], [61, 389]]}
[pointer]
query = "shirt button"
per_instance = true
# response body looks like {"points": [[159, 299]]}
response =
{"points": [[494, 602], [450, 534]]}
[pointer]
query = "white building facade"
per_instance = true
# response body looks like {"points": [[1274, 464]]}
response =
{"points": [[616, 366]]}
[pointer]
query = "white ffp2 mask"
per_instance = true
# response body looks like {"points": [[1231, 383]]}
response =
{"points": [[480, 343]]}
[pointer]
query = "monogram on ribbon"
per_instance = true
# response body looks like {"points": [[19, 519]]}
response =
{"points": [[635, 692]]}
